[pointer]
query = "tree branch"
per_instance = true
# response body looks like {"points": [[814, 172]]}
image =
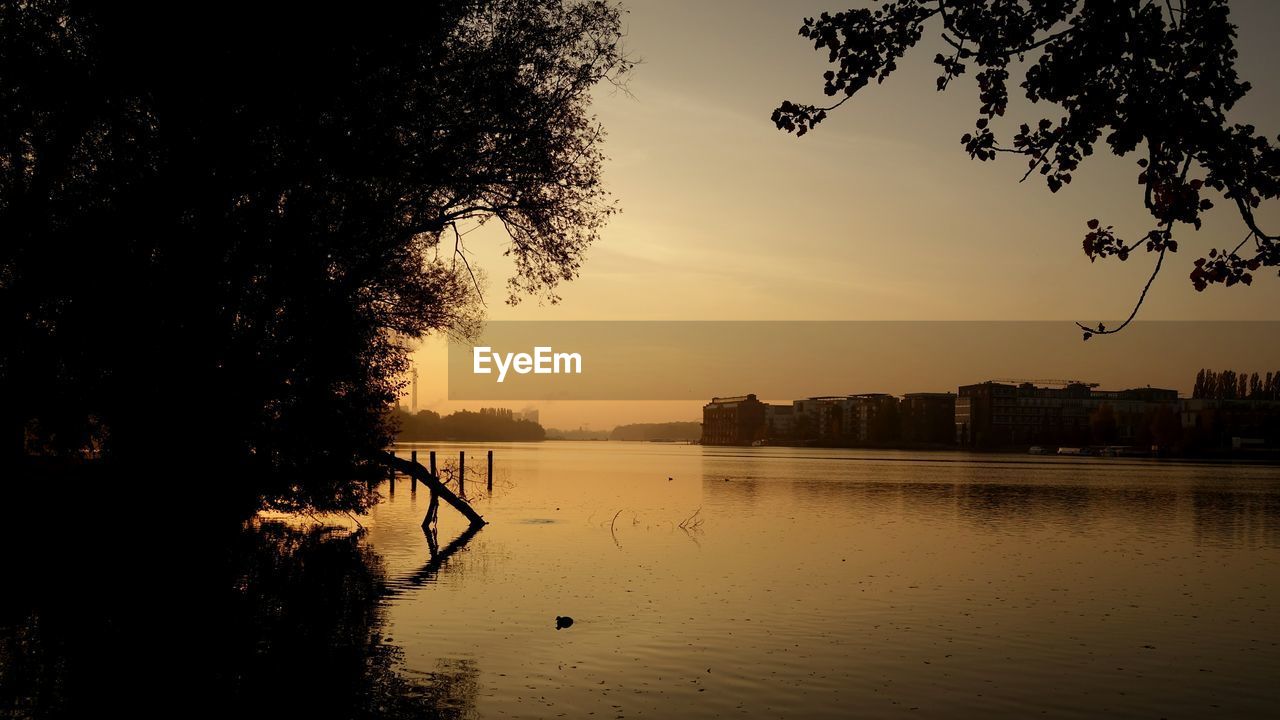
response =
{"points": [[459, 251], [1102, 330]]}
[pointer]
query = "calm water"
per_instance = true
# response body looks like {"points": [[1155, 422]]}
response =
{"points": [[808, 584], [843, 583]]}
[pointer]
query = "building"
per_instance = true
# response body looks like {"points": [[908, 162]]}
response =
{"points": [[738, 420], [870, 418], [928, 418], [1230, 424], [867, 418], [817, 418], [994, 414], [778, 420]]}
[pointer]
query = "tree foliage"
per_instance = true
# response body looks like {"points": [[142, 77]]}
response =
{"points": [[292, 623], [464, 425], [248, 210], [1142, 77], [1232, 385], [643, 432]]}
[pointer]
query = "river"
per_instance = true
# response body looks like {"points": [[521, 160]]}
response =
{"points": [[702, 582], [818, 583]]}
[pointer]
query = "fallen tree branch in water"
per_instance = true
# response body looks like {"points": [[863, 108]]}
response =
{"points": [[693, 522], [415, 470]]}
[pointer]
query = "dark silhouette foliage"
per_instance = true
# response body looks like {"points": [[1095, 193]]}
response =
{"points": [[223, 223], [679, 431], [465, 425], [281, 621], [1232, 385], [1155, 79]]}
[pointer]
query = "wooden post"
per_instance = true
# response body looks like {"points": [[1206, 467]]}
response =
{"points": [[462, 473], [434, 505], [490, 483], [433, 482], [413, 481]]}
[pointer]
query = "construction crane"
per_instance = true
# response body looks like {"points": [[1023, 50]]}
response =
{"points": [[1043, 381]]}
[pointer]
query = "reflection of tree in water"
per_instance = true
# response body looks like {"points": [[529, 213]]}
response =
{"points": [[1236, 518], [992, 504], [296, 632], [1227, 510], [995, 504]]}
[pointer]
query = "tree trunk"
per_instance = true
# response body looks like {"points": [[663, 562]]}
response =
{"points": [[438, 488]]}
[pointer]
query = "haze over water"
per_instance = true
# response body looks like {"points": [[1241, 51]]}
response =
{"points": [[843, 583]]}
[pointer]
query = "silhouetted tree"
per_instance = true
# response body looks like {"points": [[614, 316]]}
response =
{"points": [[1147, 77], [465, 425], [291, 623], [244, 211], [1232, 385], [688, 431]]}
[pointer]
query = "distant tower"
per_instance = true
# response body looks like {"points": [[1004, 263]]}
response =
{"points": [[413, 403]]}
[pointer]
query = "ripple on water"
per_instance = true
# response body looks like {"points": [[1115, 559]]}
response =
{"points": [[834, 584]]}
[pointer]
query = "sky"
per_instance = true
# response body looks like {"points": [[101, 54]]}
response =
{"points": [[878, 214]]}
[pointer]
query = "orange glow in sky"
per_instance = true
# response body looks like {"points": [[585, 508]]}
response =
{"points": [[878, 214]]}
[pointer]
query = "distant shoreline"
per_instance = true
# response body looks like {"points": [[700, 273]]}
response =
{"points": [[1205, 458]]}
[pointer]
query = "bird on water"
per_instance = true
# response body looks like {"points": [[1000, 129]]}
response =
{"points": [[563, 621]]}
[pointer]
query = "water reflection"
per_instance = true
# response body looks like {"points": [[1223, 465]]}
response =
{"points": [[430, 570], [1217, 504], [1236, 519], [277, 621], [822, 585]]}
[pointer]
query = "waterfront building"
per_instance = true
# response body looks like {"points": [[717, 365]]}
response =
{"points": [[817, 418], [928, 417], [1235, 424], [994, 414], [738, 420], [871, 418], [778, 420]]}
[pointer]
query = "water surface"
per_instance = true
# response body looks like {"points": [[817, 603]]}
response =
{"points": [[841, 583]]}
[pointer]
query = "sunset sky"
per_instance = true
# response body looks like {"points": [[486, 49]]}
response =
{"points": [[877, 214]]}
